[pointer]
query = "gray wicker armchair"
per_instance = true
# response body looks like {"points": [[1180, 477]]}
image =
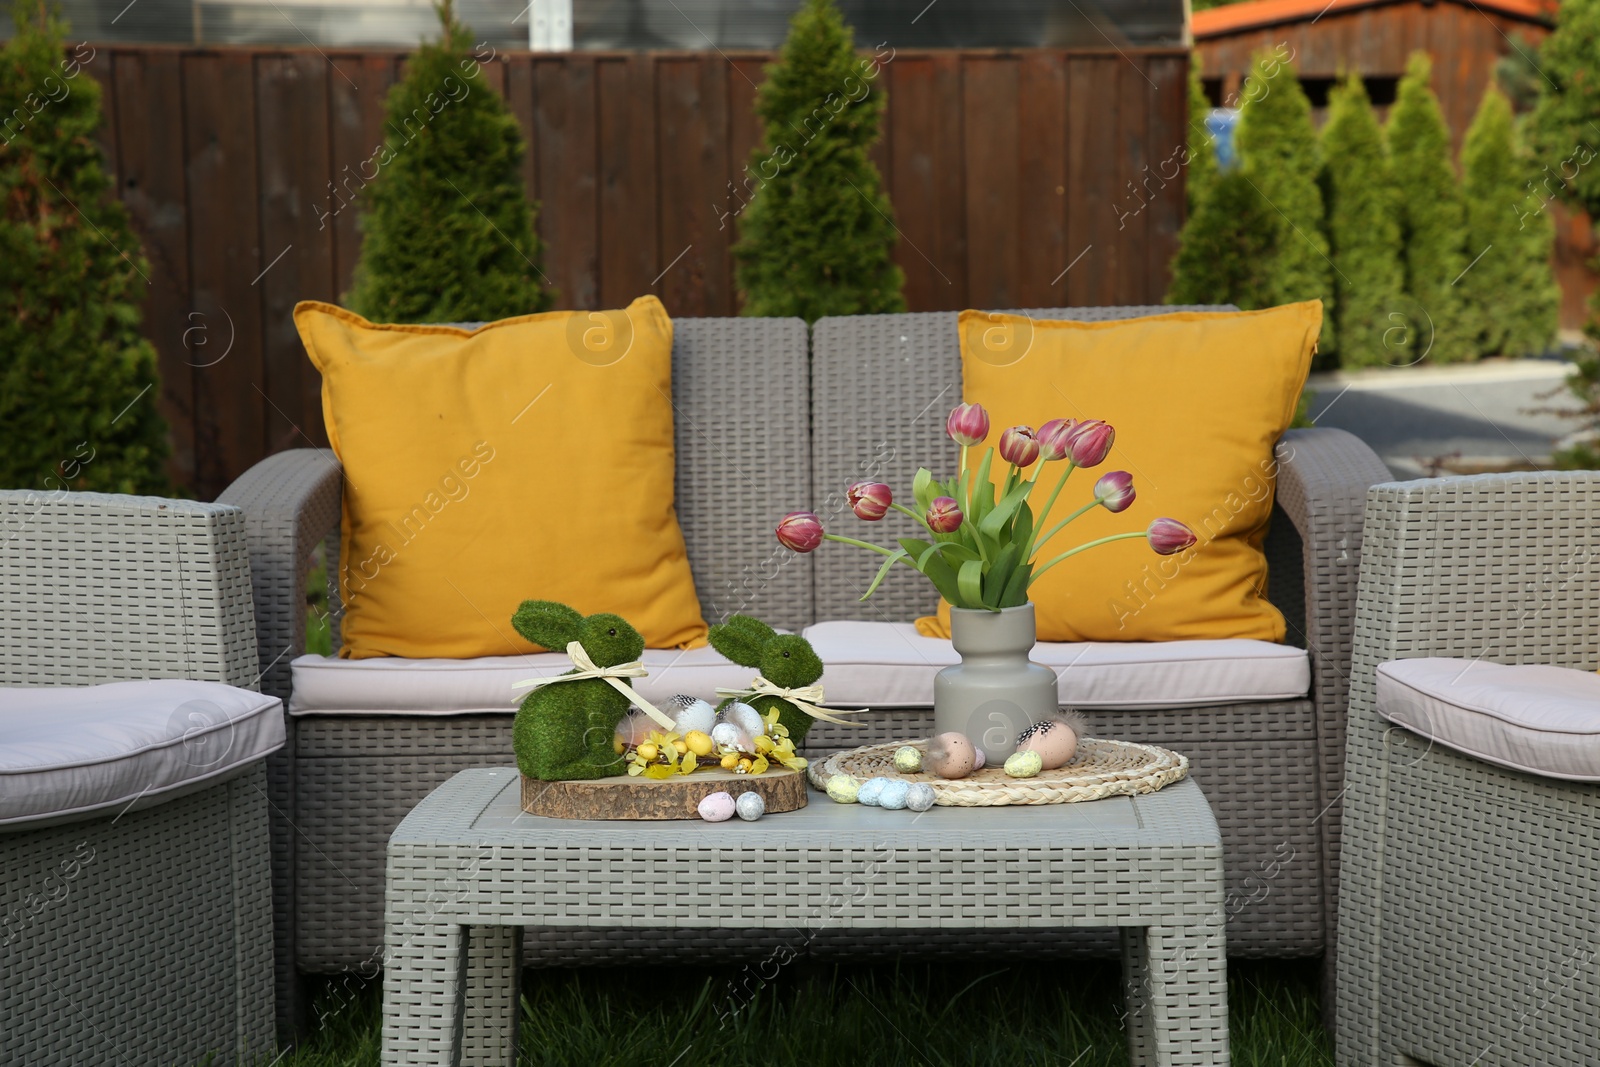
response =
{"points": [[758, 421], [134, 933], [1469, 915]]}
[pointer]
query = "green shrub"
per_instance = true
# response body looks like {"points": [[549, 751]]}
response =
{"points": [[77, 380], [448, 230], [1429, 206], [1228, 247], [1563, 128], [1509, 296], [1363, 235], [817, 236], [1202, 165], [1279, 157]]}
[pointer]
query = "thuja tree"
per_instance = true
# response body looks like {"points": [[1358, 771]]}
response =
{"points": [[1563, 130], [1202, 154], [1428, 203], [1279, 156], [447, 235], [1227, 248], [1363, 235], [77, 381], [1509, 296], [817, 235]]}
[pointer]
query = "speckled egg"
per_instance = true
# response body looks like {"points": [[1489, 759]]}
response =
{"points": [[894, 794], [980, 761], [908, 759], [717, 807], [690, 713], [1053, 739], [1024, 764], [921, 796], [870, 790], [750, 806], [950, 755], [842, 789]]}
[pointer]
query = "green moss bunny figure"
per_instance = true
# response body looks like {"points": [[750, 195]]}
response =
{"points": [[565, 730], [785, 660]]}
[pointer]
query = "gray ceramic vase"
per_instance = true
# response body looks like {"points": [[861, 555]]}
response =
{"points": [[995, 692]]}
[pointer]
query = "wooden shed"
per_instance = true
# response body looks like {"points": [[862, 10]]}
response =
{"points": [[1465, 38]]}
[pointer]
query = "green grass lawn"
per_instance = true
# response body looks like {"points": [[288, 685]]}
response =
{"points": [[819, 1015]]}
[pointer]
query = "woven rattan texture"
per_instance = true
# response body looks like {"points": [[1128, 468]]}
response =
{"points": [[1099, 769], [1469, 896], [99, 588], [1158, 872], [141, 940]]}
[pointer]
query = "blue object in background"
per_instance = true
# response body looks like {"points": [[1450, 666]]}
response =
{"points": [[1220, 125]]}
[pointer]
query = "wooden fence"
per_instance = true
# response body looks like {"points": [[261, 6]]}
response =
{"points": [[1018, 179]]}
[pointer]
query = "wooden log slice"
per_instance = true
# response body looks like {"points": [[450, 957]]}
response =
{"points": [[624, 797]]}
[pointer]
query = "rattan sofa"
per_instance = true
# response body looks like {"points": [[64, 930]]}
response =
{"points": [[1469, 918], [136, 933], [761, 415]]}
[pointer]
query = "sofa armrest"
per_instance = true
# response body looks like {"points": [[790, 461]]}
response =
{"points": [[290, 501]]}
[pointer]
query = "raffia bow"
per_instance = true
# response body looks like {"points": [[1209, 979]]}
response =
{"points": [[612, 676], [805, 697]]}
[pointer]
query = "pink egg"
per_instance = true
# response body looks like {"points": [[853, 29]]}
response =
{"points": [[717, 807], [979, 762], [950, 755], [1053, 739]]}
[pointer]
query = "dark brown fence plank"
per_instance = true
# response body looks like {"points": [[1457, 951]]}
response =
{"points": [[1131, 154], [358, 89], [993, 152], [565, 129], [928, 191], [1169, 119], [220, 150], [519, 97], [692, 101], [1040, 219], [629, 256], [297, 249], [745, 75]]}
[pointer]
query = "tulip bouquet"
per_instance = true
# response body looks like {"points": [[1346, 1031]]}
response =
{"points": [[983, 546]]}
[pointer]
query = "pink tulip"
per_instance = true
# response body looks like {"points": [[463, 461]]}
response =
{"points": [[800, 531], [1052, 438], [944, 515], [869, 500], [1115, 490], [1090, 442], [968, 424], [1018, 446], [1169, 536]]}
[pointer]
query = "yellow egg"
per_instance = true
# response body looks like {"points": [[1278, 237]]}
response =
{"points": [[618, 746], [648, 751], [730, 761], [744, 766], [681, 746], [699, 742]]}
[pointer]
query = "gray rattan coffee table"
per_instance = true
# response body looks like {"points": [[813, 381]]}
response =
{"points": [[467, 870]]}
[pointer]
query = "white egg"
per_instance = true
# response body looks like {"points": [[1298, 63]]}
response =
{"points": [[750, 806], [727, 735], [744, 717], [694, 715], [921, 796], [895, 794]]}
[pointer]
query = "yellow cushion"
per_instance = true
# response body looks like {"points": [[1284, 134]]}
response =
{"points": [[527, 458], [1198, 400]]}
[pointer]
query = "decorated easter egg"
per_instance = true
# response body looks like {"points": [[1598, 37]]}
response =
{"points": [[894, 793], [1053, 739], [842, 789], [980, 761], [744, 717], [1024, 764], [690, 713], [727, 735], [921, 796], [870, 790], [750, 806], [950, 755], [717, 807], [698, 743], [908, 758]]}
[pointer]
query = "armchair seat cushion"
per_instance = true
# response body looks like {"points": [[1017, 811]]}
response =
{"points": [[1537, 719], [890, 665], [68, 751], [394, 685]]}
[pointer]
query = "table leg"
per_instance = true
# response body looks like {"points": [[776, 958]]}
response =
{"points": [[493, 1001], [1176, 989], [424, 980]]}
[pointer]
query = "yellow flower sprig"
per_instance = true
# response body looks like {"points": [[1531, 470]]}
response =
{"points": [[664, 754]]}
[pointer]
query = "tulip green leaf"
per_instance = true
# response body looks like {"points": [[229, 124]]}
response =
{"points": [[1022, 529], [923, 489], [883, 572], [969, 580], [981, 490], [995, 583], [992, 523], [1016, 593]]}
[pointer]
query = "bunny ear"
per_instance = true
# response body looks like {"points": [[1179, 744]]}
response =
{"points": [[547, 624], [741, 639]]}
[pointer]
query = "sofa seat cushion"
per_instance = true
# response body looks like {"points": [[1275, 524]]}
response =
{"points": [[1542, 720], [392, 685], [890, 665], [73, 750]]}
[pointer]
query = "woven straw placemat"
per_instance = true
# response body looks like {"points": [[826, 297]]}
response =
{"points": [[1098, 769]]}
